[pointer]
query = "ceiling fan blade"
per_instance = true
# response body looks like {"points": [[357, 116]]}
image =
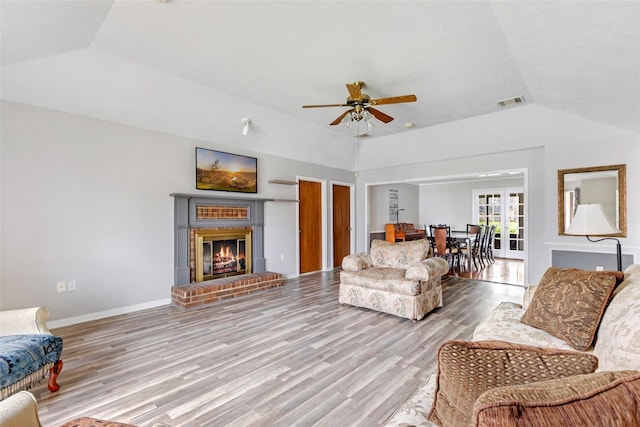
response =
{"points": [[394, 100], [354, 90], [379, 115], [325, 105], [339, 119]]}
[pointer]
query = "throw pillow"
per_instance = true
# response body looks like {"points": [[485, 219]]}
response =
{"points": [[600, 399], [619, 275], [466, 369], [569, 304]]}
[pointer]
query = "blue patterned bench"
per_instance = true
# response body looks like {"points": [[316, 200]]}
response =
{"points": [[28, 351], [27, 359]]}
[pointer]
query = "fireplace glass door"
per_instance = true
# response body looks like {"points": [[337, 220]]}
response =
{"points": [[221, 253]]}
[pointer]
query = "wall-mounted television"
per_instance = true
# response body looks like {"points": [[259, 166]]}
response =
{"points": [[220, 171]]}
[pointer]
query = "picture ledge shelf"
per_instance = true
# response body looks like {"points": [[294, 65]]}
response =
{"points": [[284, 200], [282, 182], [224, 196]]}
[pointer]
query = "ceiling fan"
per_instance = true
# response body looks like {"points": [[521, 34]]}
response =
{"points": [[361, 105]]}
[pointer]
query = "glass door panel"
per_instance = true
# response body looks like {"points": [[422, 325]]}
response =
{"points": [[515, 248], [503, 208]]}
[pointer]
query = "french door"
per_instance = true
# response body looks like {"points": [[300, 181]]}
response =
{"points": [[503, 208]]}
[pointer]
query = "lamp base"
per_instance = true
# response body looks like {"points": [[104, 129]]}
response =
{"points": [[618, 249]]}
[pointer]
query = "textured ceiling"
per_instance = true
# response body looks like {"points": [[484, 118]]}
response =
{"points": [[197, 68]]}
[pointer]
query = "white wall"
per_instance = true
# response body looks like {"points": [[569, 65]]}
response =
{"points": [[623, 149], [408, 196], [88, 200], [541, 165], [532, 161], [452, 203]]}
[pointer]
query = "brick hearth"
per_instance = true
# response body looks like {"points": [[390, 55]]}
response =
{"points": [[212, 291]]}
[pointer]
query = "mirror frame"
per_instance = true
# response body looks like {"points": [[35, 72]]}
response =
{"points": [[622, 195]]}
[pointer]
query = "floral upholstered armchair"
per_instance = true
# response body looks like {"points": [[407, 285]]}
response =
{"points": [[395, 278]]}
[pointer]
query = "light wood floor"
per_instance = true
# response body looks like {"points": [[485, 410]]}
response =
{"points": [[288, 356], [503, 270]]}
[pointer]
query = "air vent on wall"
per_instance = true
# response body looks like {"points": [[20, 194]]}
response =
{"points": [[509, 101]]}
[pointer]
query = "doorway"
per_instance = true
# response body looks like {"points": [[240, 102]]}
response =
{"points": [[505, 209]]}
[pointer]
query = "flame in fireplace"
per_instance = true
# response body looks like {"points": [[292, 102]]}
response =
{"points": [[226, 254], [225, 259]]}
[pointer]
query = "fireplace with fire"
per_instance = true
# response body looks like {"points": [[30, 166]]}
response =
{"points": [[215, 238], [222, 252]]}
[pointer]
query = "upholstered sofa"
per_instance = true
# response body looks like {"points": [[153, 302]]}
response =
{"points": [[615, 348], [395, 278], [28, 350]]}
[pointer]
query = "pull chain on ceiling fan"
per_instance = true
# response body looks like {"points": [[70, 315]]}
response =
{"points": [[361, 105]]}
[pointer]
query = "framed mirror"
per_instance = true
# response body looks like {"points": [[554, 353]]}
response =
{"points": [[599, 184]]}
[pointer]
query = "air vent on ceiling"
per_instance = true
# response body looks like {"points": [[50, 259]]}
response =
{"points": [[509, 101]]}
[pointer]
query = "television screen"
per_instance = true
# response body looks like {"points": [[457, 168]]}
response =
{"points": [[220, 171]]}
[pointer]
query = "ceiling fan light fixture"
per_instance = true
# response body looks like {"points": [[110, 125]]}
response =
{"points": [[361, 105], [510, 101]]}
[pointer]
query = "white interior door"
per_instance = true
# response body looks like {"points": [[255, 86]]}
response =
{"points": [[505, 209]]}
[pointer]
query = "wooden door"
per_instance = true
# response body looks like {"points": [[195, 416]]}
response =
{"points": [[310, 218], [341, 223]]}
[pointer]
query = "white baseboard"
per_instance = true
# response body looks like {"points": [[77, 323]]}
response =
{"points": [[107, 313]]}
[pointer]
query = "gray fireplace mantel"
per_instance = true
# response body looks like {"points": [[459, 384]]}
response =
{"points": [[185, 219]]}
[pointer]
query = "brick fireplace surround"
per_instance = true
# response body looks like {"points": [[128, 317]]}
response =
{"points": [[209, 292], [193, 211]]}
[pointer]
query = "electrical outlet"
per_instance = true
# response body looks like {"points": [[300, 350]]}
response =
{"points": [[61, 286], [281, 257], [72, 285], [599, 268]]}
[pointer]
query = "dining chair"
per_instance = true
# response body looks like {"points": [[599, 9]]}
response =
{"points": [[484, 235], [473, 228], [486, 244], [492, 235], [473, 252], [443, 245]]}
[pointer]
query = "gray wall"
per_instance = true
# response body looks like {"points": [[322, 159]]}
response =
{"points": [[88, 200]]}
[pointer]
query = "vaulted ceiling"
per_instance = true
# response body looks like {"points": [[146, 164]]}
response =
{"points": [[196, 68]]}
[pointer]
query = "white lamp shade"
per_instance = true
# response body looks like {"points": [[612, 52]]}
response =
{"points": [[591, 220]]}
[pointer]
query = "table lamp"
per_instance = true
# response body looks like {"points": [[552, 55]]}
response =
{"points": [[591, 220]]}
